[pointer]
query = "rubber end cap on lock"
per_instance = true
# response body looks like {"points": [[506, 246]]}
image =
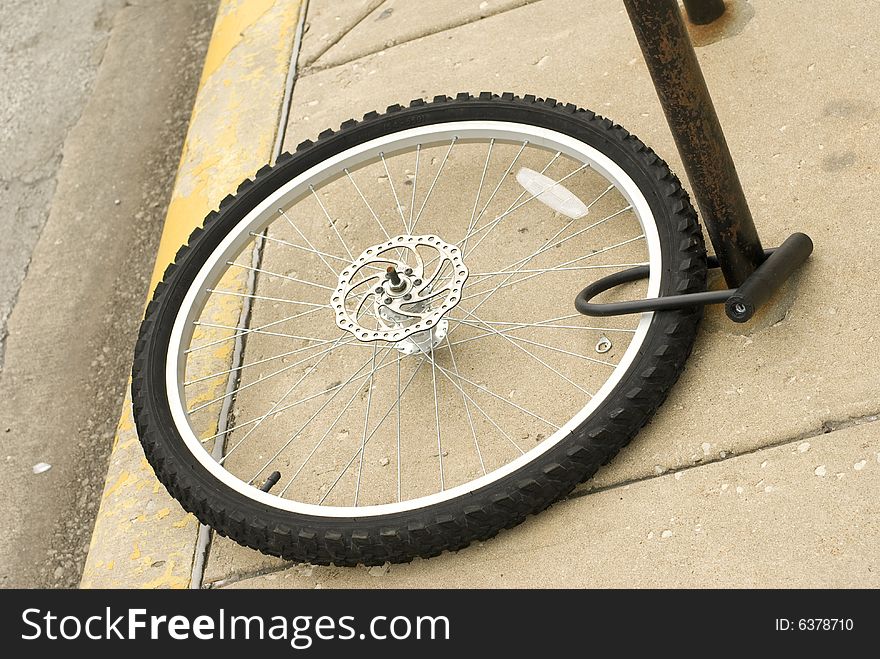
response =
{"points": [[768, 277], [738, 309]]}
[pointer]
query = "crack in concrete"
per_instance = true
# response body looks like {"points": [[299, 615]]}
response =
{"points": [[236, 577], [371, 8], [48, 171], [312, 68], [8, 306]]}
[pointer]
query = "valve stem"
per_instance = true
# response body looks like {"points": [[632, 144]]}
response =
{"points": [[269, 483]]}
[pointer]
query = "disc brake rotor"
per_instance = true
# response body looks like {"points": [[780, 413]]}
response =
{"points": [[391, 292]]}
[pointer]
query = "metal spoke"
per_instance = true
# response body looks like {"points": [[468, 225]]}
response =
{"points": [[486, 275], [258, 362], [467, 408], [370, 208], [481, 411], [279, 334], [502, 398], [543, 324], [470, 226], [517, 204], [488, 227], [463, 242], [300, 401], [437, 418], [305, 375], [310, 419], [247, 331], [332, 223], [587, 228], [507, 283], [471, 230], [254, 331], [357, 487], [535, 357], [549, 243], [321, 255], [268, 299], [310, 250], [412, 203], [541, 345], [393, 191], [280, 276], [518, 265], [366, 203], [351, 400], [398, 426], [599, 198], [500, 183], [378, 425], [325, 352], [433, 183]]}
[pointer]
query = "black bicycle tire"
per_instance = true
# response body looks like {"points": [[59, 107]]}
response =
{"points": [[452, 524]]}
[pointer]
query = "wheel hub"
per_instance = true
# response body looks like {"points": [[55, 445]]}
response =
{"points": [[400, 290]]}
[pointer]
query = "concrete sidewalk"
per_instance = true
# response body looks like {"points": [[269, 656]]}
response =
{"points": [[762, 468]]}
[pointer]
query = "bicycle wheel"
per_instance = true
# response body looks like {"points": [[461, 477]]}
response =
{"points": [[370, 353]]}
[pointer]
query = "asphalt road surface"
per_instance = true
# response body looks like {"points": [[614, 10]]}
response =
{"points": [[96, 99]]}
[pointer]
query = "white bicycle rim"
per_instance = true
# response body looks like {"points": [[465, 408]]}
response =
{"points": [[257, 219]]}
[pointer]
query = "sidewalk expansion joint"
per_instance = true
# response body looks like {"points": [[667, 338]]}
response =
{"points": [[203, 544], [292, 75], [827, 427]]}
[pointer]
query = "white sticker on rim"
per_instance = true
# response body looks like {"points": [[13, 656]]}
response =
{"points": [[551, 194]]}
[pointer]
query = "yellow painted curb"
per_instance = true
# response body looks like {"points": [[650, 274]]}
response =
{"points": [[142, 537]]}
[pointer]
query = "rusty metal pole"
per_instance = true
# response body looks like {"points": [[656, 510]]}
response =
{"points": [[703, 12], [682, 90]]}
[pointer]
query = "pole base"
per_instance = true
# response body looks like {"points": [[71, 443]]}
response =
{"points": [[703, 12]]}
